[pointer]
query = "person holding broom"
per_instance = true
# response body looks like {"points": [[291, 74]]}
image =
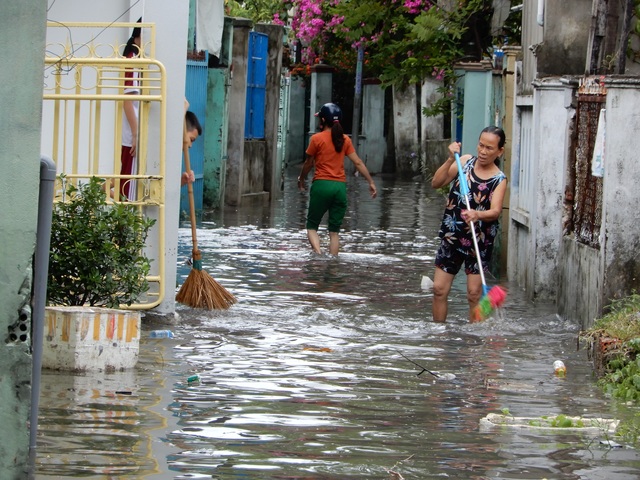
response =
{"points": [[192, 131], [326, 152], [199, 290], [487, 186]]}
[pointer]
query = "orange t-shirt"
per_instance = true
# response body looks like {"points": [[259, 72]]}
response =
{"points": [[329, 164]]}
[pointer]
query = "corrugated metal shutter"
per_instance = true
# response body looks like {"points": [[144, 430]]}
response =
{"points": [[256, 85]]}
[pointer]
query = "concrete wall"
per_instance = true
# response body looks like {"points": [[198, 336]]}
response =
{"points": [[215, 140], [621, 181], [296, 136], [272, 171], [566, 36], [434, 145], [476, 84], [581, 279], [532, 35], [321, 93], [405, 127], [509, 79], [535, 235], [553, 112], [217, 116], [580, 282], [253, 179], [373, 144], [252, 170], [171, 19], [22, 35], [237, 106], [591, 278]]}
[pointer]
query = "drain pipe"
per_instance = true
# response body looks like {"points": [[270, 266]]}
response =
{"points": [[39, 296]]}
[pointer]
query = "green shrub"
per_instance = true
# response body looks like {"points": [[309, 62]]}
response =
{"points": [[96, 253], [622, 320], [621, 360], [622, 363]]}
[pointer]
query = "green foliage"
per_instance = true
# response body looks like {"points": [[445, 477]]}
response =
{"points": [[407, 48], [259, 11], [562, 421], [401, 48], [629, 430], [96, 254], [404, 42], [559, 421], [634, 54], [623, 381], [622, 320], [621, 325]]}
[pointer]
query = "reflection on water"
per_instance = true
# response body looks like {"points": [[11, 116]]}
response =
{"points": [[317, 372]]}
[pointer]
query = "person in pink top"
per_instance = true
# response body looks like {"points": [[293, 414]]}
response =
{"points": [[326, 152]]}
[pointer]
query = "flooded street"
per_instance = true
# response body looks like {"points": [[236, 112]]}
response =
{"points": [[331, 368]]}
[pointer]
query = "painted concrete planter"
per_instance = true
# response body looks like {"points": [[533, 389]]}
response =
{"points": [[90, 338], [540, 424]]}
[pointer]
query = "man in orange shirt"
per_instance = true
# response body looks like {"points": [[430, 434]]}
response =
{"points": [[326, 153]]}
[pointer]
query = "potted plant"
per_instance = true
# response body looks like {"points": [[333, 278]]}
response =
{"points": [[96, 266]]}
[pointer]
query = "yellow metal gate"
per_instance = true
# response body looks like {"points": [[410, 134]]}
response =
{"points": [[84, 91]]}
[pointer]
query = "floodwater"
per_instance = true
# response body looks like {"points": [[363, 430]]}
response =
{"points": [[331, 368]]}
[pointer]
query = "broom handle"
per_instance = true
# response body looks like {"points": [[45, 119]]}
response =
{"points": [[192, 207], [464, 190]]}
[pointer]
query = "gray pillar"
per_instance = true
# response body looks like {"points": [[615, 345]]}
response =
{"points": [[272, 170], [373, 144], [405, 127], [22, 33], [237, 108], [434, 145], [321, 92], [296, 135]]}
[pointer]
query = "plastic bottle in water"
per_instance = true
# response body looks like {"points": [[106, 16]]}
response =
{"points": [[161, 334], [559, 368]]}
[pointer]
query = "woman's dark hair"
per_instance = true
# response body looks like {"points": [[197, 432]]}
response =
{"points": [[131, 47], [337, 136], [496, 131], [330, 115]]}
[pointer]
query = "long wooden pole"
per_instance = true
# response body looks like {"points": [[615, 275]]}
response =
{"points": [[192, 206]]}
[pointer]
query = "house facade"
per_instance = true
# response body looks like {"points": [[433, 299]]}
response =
{"points": [[571, 177]]}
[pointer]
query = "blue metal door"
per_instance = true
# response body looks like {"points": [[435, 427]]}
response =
{"points": [[196, 93], [256, 85]]}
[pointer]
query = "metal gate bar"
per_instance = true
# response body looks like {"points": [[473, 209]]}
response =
{"points": [[83, 97]]}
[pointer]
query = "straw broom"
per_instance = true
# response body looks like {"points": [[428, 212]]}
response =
{"points": [[200, 290]]}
